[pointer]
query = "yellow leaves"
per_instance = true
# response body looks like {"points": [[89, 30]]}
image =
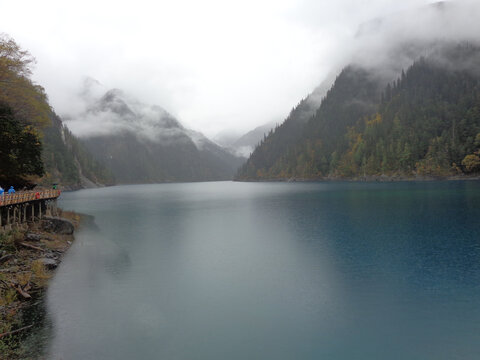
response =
{"points": [[377, 119], [24, 278], [355, 139], [471, 163], [7, 297], [28, 100], [13, 60], [477, 140], [38, 270], [261, 173]]}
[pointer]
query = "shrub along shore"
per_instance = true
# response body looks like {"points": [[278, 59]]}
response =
{"points": [[28, 259]]}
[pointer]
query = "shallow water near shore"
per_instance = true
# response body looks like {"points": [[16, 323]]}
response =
{"points": [[226, 270]]}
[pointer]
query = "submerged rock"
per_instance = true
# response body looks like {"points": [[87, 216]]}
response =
{"points": [[58, 225]]}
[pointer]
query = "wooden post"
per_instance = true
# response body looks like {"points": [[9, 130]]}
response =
{"points": [[25, 213], [33, 212], [8, 216], [40, 209]]}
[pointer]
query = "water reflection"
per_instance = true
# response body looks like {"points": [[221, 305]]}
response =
{"points": [[271, 271]]}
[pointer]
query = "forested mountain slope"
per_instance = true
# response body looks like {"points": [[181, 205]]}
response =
{"points": [[35, 145], [67, 160], [140, 143], [426, 122]]}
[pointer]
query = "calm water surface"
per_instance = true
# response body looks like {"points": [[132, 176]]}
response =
{"points": [[271, 271]]}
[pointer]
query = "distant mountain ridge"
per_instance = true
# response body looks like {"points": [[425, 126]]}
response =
{"points": [[243, 145], [404, 108], [140, 143]]}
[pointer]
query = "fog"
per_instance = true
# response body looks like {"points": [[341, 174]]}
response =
{"points": [[394, 42], [102, 112], [218, 65]]}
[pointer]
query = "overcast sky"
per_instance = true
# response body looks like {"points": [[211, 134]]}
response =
{"points": [[215, 64]]}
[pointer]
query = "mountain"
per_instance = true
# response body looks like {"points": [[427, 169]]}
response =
{"points": [[425, 122], [283, 137], [68, 162], [35, 145], [243, 145], [415, 55], [140, 143], [267, 160]]}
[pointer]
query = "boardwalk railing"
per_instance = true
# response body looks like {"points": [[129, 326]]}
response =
{"points": [[27, 196]]}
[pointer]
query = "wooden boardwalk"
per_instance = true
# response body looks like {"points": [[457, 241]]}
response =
{"points": [[28, 196], [26, 206]]}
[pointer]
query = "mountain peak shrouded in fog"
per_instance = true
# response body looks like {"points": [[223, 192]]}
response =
{"points": [[141, 143], [113, 101], [116, 112]]}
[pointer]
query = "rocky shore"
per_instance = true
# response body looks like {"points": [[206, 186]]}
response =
{"points": [[28, 259]]}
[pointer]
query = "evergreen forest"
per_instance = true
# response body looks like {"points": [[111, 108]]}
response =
{"points": [[425, 123]]}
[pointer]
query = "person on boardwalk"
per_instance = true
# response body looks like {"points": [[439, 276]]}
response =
{"points": [[11, 190], [1, 191]]}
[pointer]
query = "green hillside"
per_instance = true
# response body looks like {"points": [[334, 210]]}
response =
{"points": [[426, 123]]}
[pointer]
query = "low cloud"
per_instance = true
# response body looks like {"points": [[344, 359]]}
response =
{"points": [[388, 44], [115, 112], [394, 42], [219, 65]]}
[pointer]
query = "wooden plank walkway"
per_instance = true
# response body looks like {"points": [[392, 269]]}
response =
{"points": [[27, 196]]}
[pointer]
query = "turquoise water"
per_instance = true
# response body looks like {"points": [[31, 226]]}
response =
{"points": [[271, 271]]}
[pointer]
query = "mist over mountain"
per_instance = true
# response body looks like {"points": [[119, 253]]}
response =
{"points": [[35, 146], [401, 65], [67, 161], [243, 145], [143, 143]]}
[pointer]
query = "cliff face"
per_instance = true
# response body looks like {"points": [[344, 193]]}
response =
{"points": [[68, 162]]}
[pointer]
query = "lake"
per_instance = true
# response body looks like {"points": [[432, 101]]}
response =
{"points": [[227, 270]]}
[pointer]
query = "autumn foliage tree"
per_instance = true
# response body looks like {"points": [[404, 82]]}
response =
{"points": [[471, 162], [24, 110], [35, 146], [27, 99]]}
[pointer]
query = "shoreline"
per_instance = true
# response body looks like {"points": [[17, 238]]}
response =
{"points": [[370, 179], [28, 261]]}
